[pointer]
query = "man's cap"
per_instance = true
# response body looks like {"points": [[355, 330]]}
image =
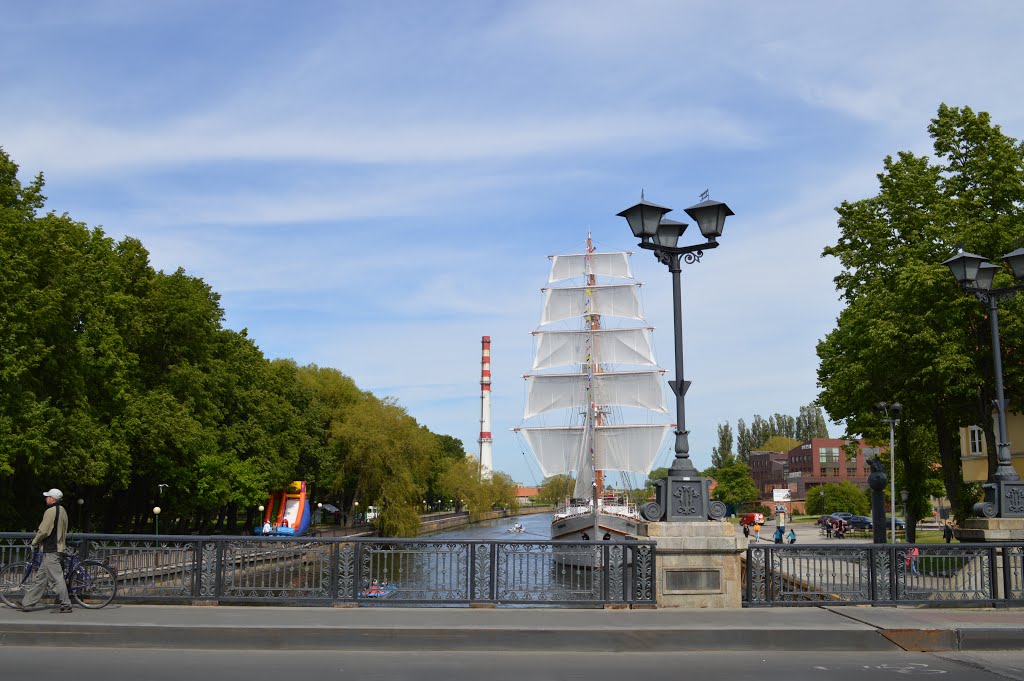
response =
{"points": [[55, 493]]}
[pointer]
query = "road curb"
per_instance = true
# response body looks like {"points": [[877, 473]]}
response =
{"points": [[440, 638]]}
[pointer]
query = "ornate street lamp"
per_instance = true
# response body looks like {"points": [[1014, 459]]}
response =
{"points": [[685, 488], [1004, 494]]}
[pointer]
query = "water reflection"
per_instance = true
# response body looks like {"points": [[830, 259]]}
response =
{"points": [[536, 527], [523, 567]]}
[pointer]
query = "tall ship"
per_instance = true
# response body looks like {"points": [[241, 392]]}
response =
{"points": [[595, 400]]}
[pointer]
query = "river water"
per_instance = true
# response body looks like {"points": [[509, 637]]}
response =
{"points": [[538, 528]]}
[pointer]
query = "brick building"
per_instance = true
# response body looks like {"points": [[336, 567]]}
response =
{"points": [[816, 462]]}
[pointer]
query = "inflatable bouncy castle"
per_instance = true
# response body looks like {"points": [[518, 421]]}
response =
{"points": [[288, 511]]}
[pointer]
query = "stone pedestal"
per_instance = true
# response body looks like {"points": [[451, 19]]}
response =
{"points": [[990, 530], [698, 564]]}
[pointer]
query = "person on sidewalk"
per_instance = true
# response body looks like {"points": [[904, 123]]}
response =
{"points": [[947, 531], [757, 532], [267, 529], [791, 536], [50, 539], [911, 559], [777, 537], [746, 532]]}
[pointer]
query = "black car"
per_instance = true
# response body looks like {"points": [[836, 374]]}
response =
{"points": [[860, 522], [900, 523]]}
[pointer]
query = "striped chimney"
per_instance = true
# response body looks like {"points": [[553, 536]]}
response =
{"points": [[486, 456]]}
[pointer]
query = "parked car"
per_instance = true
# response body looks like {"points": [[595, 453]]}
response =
{"points": [[822, 519], [860, 522], [901, 524], [842, 515], [751, 518]]}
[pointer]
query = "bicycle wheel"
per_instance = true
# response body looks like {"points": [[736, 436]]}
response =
{"points": [[13, 583], [93, 584]]}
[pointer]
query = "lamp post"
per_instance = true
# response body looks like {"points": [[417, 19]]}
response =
{"points": [[647, 222], [80, 503], [975, 276], [156, 522], [904, 495], [891, 414], [319, 512], [822, 493]]}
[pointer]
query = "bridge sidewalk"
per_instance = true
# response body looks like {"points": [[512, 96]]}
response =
{"points": [[240, 627]]}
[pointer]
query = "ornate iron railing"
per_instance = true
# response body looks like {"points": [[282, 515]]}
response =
{"points": [[368, 571], [884, 574]]}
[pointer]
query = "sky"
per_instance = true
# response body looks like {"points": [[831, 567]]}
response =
{"points": [[375, 186]]}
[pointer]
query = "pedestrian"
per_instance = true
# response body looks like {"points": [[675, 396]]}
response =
{"points": [[746, 531], [791, 536], [757, 532], [828, 529], [911, 559], [50, 539], [266, 527], [947, 531], [777, 537]]}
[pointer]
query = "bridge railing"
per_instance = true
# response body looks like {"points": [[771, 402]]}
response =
{"points": [[885, 574], [368, 571]]}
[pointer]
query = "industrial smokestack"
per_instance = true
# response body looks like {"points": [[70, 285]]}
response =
{"points": [[486, 456]]}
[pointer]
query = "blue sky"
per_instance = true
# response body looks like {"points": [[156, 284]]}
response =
{"points": [[375, 186]]}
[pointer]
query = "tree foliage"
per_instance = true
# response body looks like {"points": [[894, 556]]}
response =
{"points": [[722, 455], [907, 333], [838, 497], [118, 381], [735, 485]]}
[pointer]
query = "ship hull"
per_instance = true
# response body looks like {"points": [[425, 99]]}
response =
{"points": [[580, 528]]}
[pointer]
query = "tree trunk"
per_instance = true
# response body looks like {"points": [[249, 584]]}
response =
{"points": [[952, 472]]}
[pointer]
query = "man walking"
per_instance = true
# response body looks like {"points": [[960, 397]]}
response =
{"points": [[50, 539]]}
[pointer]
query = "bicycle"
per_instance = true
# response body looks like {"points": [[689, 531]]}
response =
{"points": [[91, 583]]}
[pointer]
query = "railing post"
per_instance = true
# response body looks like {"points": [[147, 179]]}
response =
{"points": [[750, 575], [471, 571], [894, 571], [769, 580], [873, 574], [357, 574], [627, 550], [606, 576], [493, 586], [333, 554], [993, 556], [219, 575]]}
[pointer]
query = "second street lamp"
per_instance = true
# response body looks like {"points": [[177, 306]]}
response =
{"points": [[1005, 496], [647, 222]]}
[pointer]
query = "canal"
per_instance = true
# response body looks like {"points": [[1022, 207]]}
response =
{"points": [[537, 528]]}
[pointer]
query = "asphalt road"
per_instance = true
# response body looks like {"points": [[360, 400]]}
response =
{"points": [[98, 664]]}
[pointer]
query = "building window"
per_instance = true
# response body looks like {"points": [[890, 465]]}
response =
{"points": [[977, 436]]}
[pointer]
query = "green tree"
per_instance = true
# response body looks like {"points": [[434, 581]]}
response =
{"points": [[810, 423], [722, 455], [735, 485], [554, 489], [838, 497], [907, 333]]}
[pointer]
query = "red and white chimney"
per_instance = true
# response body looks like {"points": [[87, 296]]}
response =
{"points": [[486, 455]]}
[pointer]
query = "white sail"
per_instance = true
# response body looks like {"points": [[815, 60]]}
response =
{"points": [[548, 392], [611, 346], [616, 300], [631, 448], [600, 264]]}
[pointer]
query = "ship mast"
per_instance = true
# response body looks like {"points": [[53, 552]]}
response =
{"points": [[594, 415]]}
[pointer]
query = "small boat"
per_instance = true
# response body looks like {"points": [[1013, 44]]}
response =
{"points": [[378, 590], [516, 529]]}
